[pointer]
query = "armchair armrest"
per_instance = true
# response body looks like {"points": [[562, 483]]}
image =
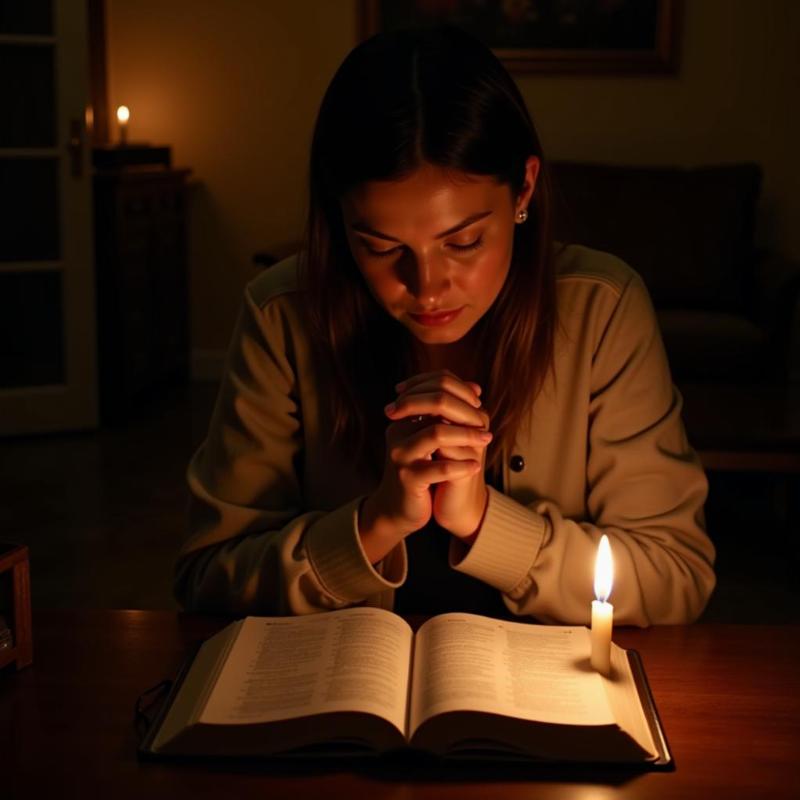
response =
{"points": [[777, 309]]}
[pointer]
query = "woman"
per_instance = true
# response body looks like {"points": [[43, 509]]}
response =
{"points": [[434, 407]]}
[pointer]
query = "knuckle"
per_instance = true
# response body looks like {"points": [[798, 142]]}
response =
{"points": [[451, 467], [439, 431], [437, 436]]}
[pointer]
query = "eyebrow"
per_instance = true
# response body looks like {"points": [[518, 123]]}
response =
{"points": [[362, 227]]}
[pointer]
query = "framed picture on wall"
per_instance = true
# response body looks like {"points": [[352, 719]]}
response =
{"points": [[597, 37]]}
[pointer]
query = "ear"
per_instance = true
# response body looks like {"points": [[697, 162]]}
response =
{"points": [[532, 165]]}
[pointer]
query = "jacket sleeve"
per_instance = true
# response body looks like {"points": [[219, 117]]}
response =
{"points": [[252, 547], [645, 490]]}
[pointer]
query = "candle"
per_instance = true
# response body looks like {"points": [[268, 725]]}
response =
{"points": [[123, 115], [602, 611]]}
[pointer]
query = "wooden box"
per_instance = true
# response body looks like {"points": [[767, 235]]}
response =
{"points": [[15, 605]]}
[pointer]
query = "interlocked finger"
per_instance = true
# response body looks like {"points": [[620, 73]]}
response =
{"points": [[438, 403], [443, 381], [438, 436]]}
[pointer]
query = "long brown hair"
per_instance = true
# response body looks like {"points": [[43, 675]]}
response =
{"points": [[399, 100]]}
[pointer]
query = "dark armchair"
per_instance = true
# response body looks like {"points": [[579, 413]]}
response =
{"points": [[727, 311], [729, 314]]}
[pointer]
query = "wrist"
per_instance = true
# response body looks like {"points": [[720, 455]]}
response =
{"points": [[378, 533], [471, 527]]}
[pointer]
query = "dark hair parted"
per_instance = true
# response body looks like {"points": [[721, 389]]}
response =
{"points": [[400, 100]]}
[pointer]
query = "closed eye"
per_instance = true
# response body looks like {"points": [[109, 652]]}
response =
{"points": [[382, 253], [461, 248], [469, 246]]}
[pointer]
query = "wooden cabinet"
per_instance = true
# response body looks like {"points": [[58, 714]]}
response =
{"points": [[142, 286]]}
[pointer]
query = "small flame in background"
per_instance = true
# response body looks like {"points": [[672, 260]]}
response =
{"points": [[603, 571], [123, 114]]}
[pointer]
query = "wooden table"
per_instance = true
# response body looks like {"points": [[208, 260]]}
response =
{"points": [[729, 698]]}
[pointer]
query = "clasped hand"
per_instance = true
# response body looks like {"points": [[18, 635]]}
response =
{"points": [[435, 461]]}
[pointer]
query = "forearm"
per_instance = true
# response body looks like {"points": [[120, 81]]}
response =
{"points": [[301, 565], [663, 572]]}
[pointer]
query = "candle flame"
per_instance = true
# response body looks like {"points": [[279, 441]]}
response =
{"points": [[603, 570], [123, 114]]}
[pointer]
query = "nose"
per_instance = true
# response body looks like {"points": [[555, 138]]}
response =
{"points": [[426, 278]]}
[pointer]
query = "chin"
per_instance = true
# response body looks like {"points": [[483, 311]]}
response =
{"points": [[439, 335], [438, 338]]}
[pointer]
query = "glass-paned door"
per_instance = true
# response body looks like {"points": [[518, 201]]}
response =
{"points": [[47, 316]]}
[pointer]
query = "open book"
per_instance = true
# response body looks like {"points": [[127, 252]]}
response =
{"points": [[359, 681]]}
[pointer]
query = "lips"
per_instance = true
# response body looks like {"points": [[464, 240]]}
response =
{"points": [[434, 319]]}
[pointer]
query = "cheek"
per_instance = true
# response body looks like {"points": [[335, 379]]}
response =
{"points": [[490, 273], [382, 283], [372, 277]]}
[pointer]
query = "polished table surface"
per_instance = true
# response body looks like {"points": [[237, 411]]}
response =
{"points": [[728, 696]]}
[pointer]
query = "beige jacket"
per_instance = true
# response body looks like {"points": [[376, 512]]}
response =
{"points": [[273, 506]]}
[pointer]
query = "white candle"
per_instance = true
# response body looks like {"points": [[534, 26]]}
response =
{"points": [[602, 611], [123, 115]]}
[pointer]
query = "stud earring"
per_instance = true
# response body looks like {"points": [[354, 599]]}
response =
{"points": [[522, 215]]}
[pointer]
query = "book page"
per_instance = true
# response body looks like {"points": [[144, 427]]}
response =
{"points": [[355, 659], [465, 662], [197, 684]]}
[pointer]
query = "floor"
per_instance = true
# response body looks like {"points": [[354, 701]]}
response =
{"points": [[103, 515]]}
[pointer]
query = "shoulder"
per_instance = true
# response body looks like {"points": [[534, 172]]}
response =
{"points": [[580, 268], [592, 282], [600, 295], [273, 302], [278, 281]]}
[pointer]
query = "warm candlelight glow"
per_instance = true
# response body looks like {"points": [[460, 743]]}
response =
{"points": [[123, 115], [603, 571], [602, 610]]}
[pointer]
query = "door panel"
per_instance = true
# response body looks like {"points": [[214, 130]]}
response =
{"points": [[29, 208], [30, 17], [31, 328], [47, 315], [28, 99]]}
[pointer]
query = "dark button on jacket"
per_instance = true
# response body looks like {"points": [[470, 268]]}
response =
{"points": [[517, 463]]}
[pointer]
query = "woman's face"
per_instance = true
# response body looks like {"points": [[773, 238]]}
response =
{"points": [[435, 247]]}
